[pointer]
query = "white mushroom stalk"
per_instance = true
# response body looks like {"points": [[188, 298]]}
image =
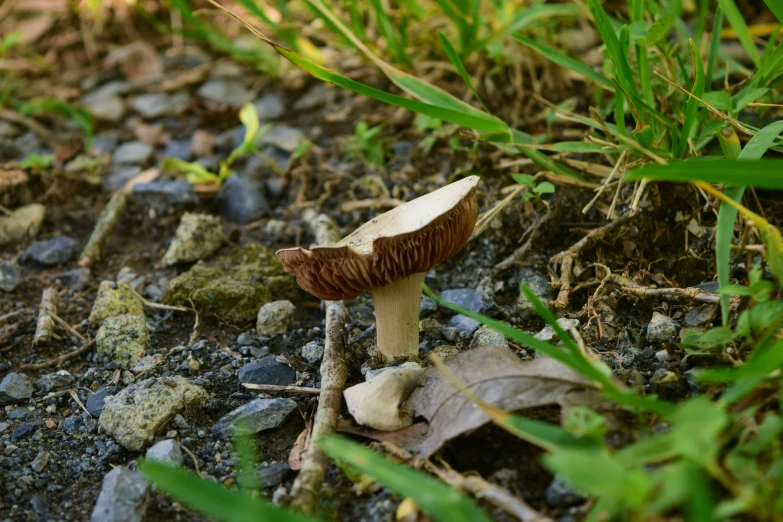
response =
{"points": [[388, 257]]}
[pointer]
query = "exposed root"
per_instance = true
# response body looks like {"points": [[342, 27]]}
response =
{"points": [[56, 361], [532, 232], [44, 330], [473, 484], [667, 294], [104, 227], [565, 259], [277, 388]]}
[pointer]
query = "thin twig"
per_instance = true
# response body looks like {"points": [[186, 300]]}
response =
{"points": [[45, 327], [277, 388], [56, 361], [104, 227], [68, 327]]}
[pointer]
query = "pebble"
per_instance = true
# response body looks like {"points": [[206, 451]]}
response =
{"points": [[246, 339], [166, 451], [136, 414], [255, 416], [275, 317], [464, 324], [487, 336], [40, 461], [152, 106], [224, 92], [76, 279], [23, 223], [118, 176], [267, 371], [17, 413], [372, 374], [54, 381], [94, 403], [181, 149], [132, 152], [473, 300], [240, 200], [55, 251], [449, 333], [124, 497], [105, 106], [427, 307], [315, 97], [699, 316], [270, 106], [73, 425], [313, 351], [9, 276], [661, 328], [274, 474], [15, 387], [197, 237], [172, 192], [538, 284], [283, 137], [23, 430], [548, 335], [559, 494]]}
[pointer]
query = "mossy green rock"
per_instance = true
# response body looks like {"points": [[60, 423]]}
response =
{"points": [[113, 299], [197, 237], [234, 286], [125, 337], [138, 413]]}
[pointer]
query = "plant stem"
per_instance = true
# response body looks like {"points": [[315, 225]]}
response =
{"points": [[397, 317]]}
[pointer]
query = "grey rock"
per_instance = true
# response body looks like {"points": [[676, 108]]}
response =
{"points": [[661, 328], [427, 307], [275, 317], [711, 286], [76, 279], [166, 451], [118, 176], [182, 149], [246, 339], [197, 237], [152, 106], [539, 285], [699, 316], [547, 334], [9, 276], [240, 200], [372, 374], [224, 92], [270, 106], [23, 430], [73, 425], [55, 251], [276, 187], [124, 337], [54, 381], [487, 336], [23, 223], [449, 333], [171, 192], [559, 494], [255, 416], [267, 371], [94, 403], [137, 413], [464, 324], [104, 106], [124, 497], [105, 142], [132, 152], [315, 97], [313, 351], [15, 387], [40, 461], [17, 413], [473, 300], [274, 474], [283, 137]]}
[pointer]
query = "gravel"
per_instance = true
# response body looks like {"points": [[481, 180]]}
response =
{"points": [[124, 497], [661, 328], [255, 416]]}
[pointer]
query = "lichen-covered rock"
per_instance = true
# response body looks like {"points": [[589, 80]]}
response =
{"points": [[275, 317], [232, 287], [136, 414], [23, 223], [197, 237], [114, 300], [125, 337]]}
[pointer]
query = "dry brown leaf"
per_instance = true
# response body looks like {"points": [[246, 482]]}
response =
{"points": [[497, 377], [298, 453]]}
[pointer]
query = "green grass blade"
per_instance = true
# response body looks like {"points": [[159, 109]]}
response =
{"points": [[741, 28], [762, 142], [456, 61], [758, 173], [566, 61], [441, 502], [520, 139], [525, 18], [692, 106], [609, 37], [389, 31], [712, 59], [776, 6], [214, 499]]}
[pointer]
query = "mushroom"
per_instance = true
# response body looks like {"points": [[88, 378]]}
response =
{"points": [[388, 257]]}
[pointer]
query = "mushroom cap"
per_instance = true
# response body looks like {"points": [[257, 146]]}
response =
{"points": [[406, 240]]}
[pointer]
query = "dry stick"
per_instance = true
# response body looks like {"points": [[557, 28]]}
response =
{"points": [[58, 360], [520, 252], [45, 327], [68, 327], [475, 485], [334, 373], [669, 294], [107, 222], [282, 389], [567, 257]]}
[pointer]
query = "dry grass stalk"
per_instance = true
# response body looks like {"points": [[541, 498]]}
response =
{"points": [[44, 330]]}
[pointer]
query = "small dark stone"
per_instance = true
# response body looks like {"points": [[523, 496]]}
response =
{"points": [[118, 176], [73, 425], [273, 474], [362, 316], [427, 307], [181, 149], [17, 413], [240, 200], [172, 192], [9, 276], [15, 387], [95, 400], [55, 251], [464, 324], [711, 286], [267, 371], [76, 279], [23, 430], [402, 148], [559, 494], [699, 316], [474, 300]]}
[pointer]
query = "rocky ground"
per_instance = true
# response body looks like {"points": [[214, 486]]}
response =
{"points": [[166, 383]]}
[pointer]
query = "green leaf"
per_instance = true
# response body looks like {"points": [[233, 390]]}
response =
{"points": [[524, 179], [744, 97], [457, 63], [213, 499], [526, 17], [692, 106], [193, 171], [776, 6], [720, 100], [712, 58], [248, 115], [659, 30], [612, 43], [544, 188], [741, 28], [38, 161], [438, 500], [566, 61], [756, 173]]}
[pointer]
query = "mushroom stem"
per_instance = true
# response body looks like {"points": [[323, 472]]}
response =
{"points": [[397, 317]]}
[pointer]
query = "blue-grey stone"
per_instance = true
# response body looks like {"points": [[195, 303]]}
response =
{"points": [[173, 192], [124, 497], [181, 149], [166, 451], [240, 200], [464, 324], [267, 371], [95, 400], [15, 387], [270, 106], [118, 176], [76, 279], [55, 251], [255, 416], [132, 152], [23, 430], [559, 494], [473, 300], [54, 381]]}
